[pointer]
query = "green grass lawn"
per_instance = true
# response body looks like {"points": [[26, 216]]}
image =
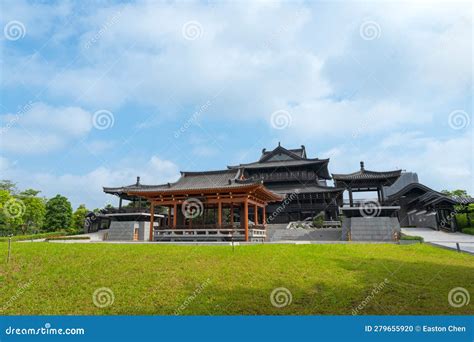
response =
{"points": [[55, 278]]}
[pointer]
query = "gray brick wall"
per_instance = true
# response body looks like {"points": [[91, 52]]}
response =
{"points": [[123, 230], [372, 228]]}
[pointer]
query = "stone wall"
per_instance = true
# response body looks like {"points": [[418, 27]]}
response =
{"points": [[123, 230], [370, 228]]}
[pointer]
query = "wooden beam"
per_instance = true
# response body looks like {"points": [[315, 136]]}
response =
{"points": [[152, 220]]}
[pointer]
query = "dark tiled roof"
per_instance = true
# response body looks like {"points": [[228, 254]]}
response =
{"points": [[297, 153], [303, 189], [282, 163], [203, 181], [367, 175]]}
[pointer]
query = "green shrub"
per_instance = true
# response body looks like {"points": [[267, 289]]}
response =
{"points": [[409, 237], [31, 237], [68, 238], [468, 231], [318, 221]]}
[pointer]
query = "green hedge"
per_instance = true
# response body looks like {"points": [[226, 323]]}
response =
{"points": [[468, 231], [409, 237], [31, 237], [68, 238]]}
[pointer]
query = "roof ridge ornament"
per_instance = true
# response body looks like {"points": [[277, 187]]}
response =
{"points": [[138, 180], [362, 167]]}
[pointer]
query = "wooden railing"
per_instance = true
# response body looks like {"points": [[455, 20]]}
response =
{"points": [[332, 224], [209, 233]]}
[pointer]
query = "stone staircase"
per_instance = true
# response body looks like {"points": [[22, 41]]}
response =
{"points": [[278, 232]]}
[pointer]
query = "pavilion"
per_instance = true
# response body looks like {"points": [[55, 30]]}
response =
{"points": [[205, 205], [365, 181]]}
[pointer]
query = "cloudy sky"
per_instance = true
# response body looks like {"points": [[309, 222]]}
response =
{"points": [[95, 93]]}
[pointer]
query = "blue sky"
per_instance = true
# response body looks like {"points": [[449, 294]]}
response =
{"points": [[95, 93]]}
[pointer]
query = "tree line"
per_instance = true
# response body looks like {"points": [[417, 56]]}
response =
{"points": [[26, 212]]}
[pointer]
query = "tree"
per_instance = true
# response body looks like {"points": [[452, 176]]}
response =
{"points": [[12, 212], [8, 186], [58, 214], [79, 218], [35, 210], [29, 193], [456, 193]]}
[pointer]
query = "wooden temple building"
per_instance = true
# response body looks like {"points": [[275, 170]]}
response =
{"points": [[282, 186], [210, 205], [302, 181]]}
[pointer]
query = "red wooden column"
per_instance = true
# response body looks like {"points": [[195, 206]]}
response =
{"points": [[175, 214], [168, 223], [256, 214], [152, 219], [232, 214], [264, 216], [219, 214], [246, 220]]}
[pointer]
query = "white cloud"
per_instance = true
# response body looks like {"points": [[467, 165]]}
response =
{"points": [[441, 163], [40, 128], [87, 188]]}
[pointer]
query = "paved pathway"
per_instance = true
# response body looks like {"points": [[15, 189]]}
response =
{"points": [[466, 241]]}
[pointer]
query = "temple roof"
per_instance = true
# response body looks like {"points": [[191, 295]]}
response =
{"points": [[299, 153], [366, 176], [303, 189], [428, 196], [121, 191], [281, 157], [219, 180]]}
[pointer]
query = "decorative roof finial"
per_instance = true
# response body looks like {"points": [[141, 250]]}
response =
{"points": [[362, 165], [138, 180], [279, 144]]}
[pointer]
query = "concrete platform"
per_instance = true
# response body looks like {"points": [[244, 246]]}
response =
{"points": [[443, 239]]}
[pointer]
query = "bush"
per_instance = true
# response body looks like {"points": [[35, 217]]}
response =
{"points": [[318, 221], [31, 237], [68, 238], [409, 237], [469, 231]]}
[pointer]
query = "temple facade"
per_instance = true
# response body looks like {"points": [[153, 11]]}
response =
{"points": [[282, 186], [300, 180]]}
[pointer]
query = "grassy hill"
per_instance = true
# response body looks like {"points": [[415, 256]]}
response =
{"points": [[55, 278]]}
